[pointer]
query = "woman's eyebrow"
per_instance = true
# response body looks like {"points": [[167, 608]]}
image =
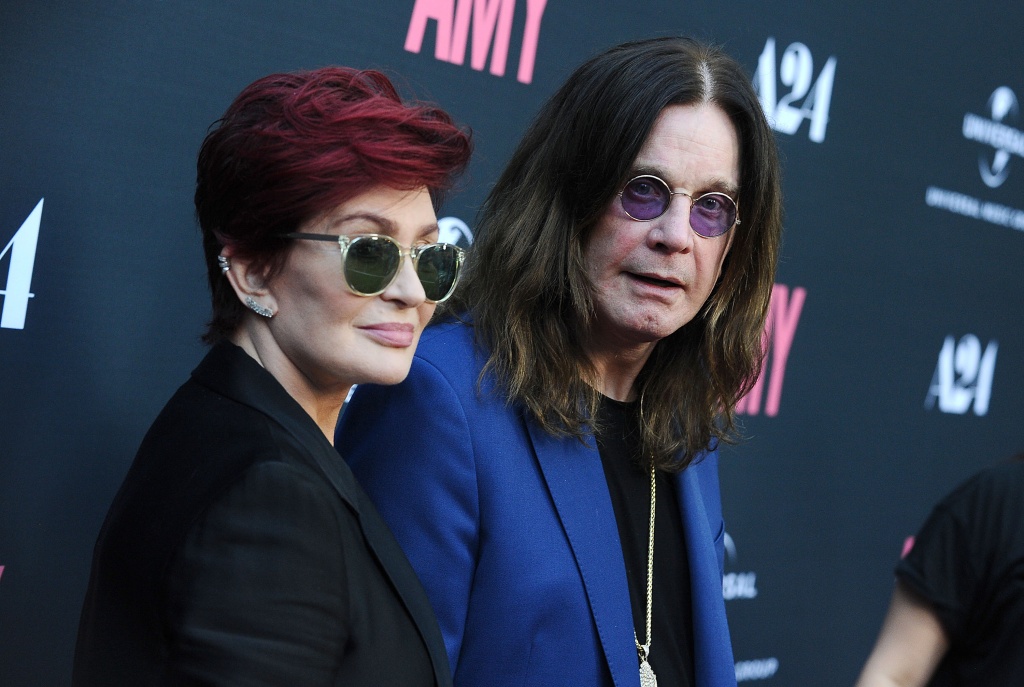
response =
{"points": [[384, 224]]}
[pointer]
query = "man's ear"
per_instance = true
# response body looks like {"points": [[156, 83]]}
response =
{"points": [[249, 282]]}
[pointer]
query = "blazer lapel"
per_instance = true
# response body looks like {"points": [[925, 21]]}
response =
{"points": [[403, 579], [230, 371], [712, 647], [576, 481]]}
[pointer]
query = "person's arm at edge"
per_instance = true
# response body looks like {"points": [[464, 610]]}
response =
{"points": [[910, 645]]}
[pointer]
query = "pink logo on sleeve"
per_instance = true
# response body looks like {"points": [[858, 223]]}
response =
{"points": [[491, 21]]}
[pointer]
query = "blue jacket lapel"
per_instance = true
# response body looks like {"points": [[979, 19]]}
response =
{"points": [[576, 481]]}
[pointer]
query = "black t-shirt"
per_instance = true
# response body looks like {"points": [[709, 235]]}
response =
{"points": [[629, 484], [968, 563]]}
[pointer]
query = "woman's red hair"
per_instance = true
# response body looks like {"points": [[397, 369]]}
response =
{"points": [[293, 146]]}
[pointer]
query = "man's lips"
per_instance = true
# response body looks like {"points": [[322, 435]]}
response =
{"points": [[655, 279], [393, 334]]}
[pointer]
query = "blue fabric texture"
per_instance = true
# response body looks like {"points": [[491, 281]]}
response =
{"points": [[512, 530]]}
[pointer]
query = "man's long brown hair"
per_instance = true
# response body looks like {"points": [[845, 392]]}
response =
{"points": [[527, 293]]}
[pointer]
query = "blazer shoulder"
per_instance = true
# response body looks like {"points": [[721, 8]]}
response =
{"points": [[449, 339], [198, 447], [207, 438]]}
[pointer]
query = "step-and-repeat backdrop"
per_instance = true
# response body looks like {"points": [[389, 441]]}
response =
{"points": [[897, 325]]}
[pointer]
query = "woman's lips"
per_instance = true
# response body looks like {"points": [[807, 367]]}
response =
{"points": [[392, 334]]}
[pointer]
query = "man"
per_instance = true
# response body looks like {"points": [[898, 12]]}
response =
{"points": [[611, 319]]}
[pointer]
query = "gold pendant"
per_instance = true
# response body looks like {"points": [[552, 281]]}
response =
{"points": [[647, 678]]}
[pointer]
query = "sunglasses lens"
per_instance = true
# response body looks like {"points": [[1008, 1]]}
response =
{"points": [[645, 198], [371, 263], [712, 214], [438, 268]]}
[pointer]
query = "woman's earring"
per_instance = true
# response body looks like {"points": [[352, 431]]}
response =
{"points": [[225, 266], [258, 309]]}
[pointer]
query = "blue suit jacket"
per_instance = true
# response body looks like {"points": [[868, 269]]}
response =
{"points": [[512, 530]]}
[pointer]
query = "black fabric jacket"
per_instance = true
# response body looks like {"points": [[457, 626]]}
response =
{"points": [[240, 551]]}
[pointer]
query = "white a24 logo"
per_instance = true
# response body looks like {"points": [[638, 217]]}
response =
{"points": [[796, 72], [963, 374], [22, 249]]}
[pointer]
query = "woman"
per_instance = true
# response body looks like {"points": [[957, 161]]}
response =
{"points": [[239, 549], [549, 465]]}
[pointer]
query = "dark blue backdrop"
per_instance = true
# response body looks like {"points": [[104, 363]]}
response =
{"points": [[895, 356]]}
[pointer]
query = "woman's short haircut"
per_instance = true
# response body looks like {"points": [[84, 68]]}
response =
{"points": [[293, 146]]}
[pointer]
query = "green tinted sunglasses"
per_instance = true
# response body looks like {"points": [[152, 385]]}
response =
{"points": [[370, 263]]}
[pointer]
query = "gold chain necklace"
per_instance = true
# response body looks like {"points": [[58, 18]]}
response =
{"points": [[647, 678]]}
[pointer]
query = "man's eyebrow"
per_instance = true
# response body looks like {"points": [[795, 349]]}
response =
{"points": [[709, 184], [723, 186]]}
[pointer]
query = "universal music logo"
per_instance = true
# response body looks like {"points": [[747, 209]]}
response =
{"points": [[737, 585], [454, 230], [999, 141], [743, 585], [993, 133]]}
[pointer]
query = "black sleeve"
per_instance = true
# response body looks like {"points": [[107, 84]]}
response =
{"points": [[942, 565], [256, 594]]}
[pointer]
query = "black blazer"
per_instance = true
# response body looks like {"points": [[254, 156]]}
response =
{"points": [[241, 551]]}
